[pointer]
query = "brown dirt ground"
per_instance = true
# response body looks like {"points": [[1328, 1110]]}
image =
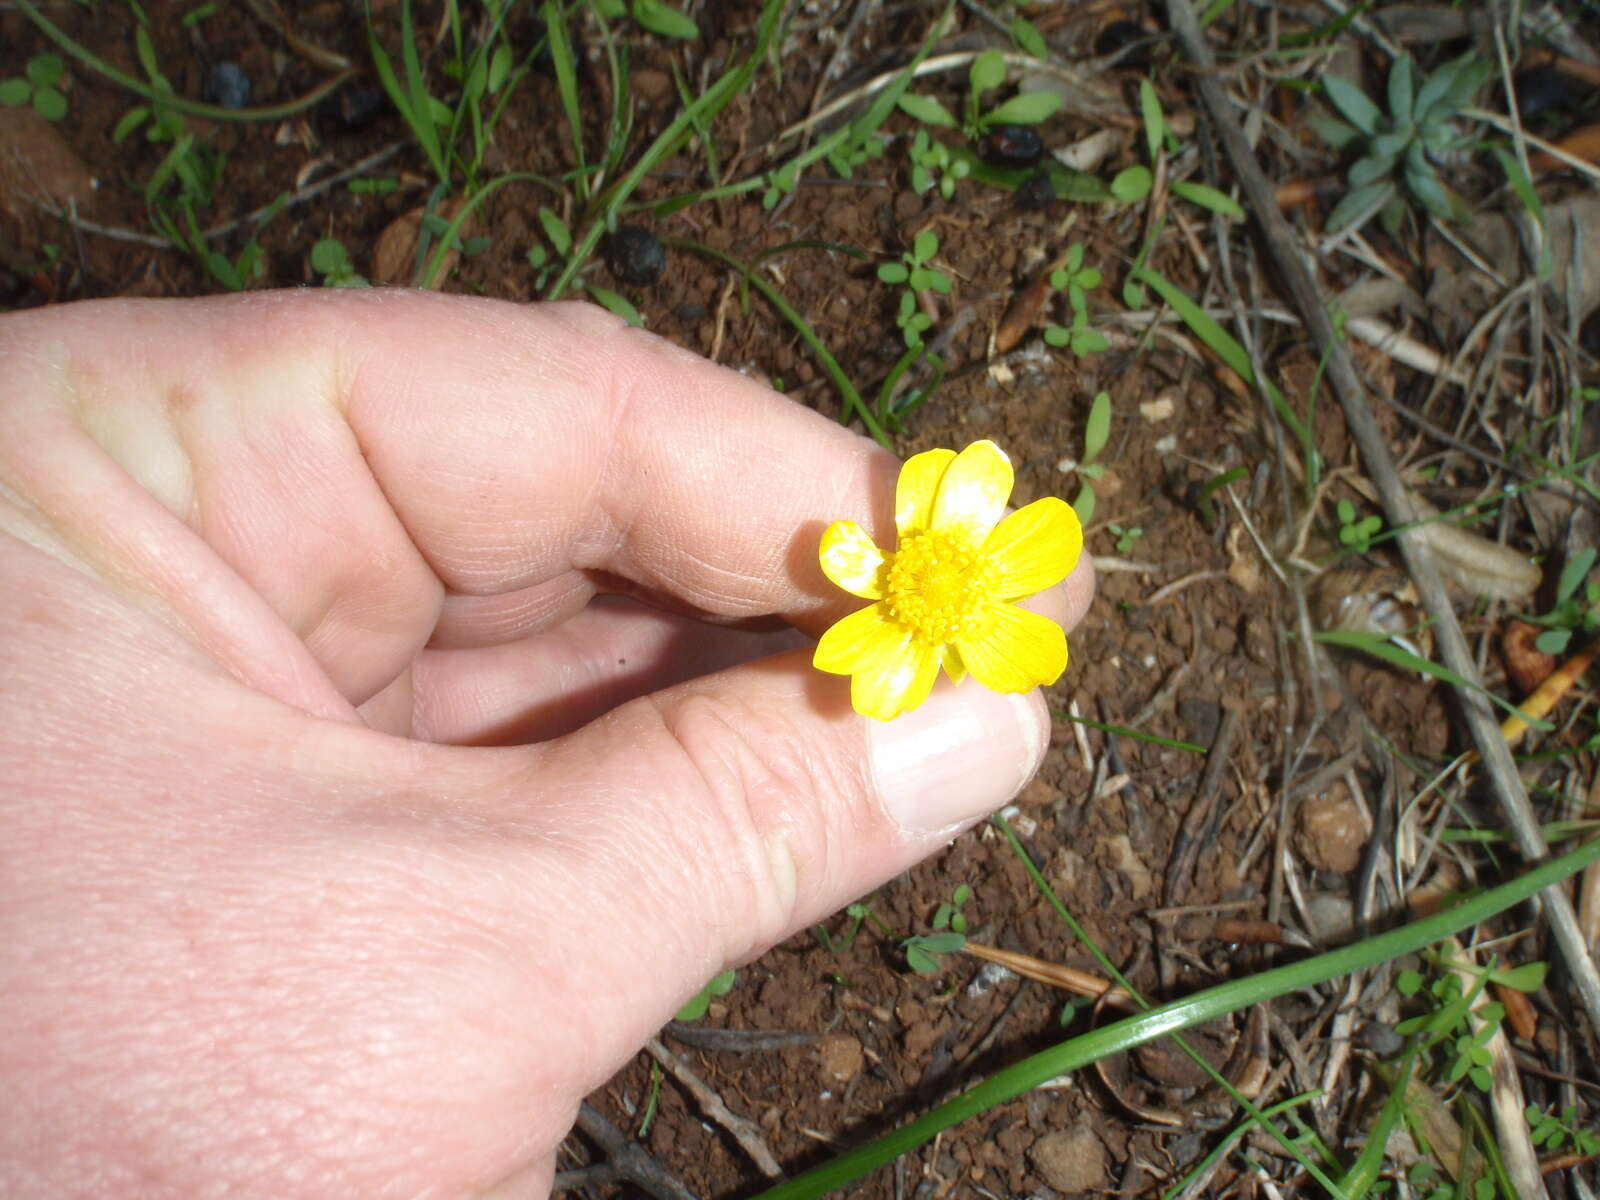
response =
{"points": [[1190, 622]]}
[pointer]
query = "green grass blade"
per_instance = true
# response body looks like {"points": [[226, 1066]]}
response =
{"points": [[1137, 735], [416, 88], [1228, 349], [428, 276], [853, 404], [1177, 1015], [193, 108], [1381, 647], [567, 84], [705, 108]]}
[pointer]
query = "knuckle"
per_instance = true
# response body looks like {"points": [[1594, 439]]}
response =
{"points": [[777, 799]]}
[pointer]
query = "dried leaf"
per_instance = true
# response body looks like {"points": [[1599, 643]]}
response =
{"points": [[1482, 567]]}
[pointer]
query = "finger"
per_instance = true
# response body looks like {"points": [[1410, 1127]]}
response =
{"points": [[707, 822], [556, 681], [354, 459]]}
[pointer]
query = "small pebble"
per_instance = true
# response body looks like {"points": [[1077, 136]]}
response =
{"points": [[227, 86], [635, 256]]}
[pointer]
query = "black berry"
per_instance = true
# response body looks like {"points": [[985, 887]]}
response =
{"points": [[1012, 146], [635, 256]]}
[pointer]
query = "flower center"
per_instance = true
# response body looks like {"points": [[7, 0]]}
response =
{"points": [[940, 585]]}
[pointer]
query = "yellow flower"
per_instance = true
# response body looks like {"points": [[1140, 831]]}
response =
{"points": [[944, 594]]}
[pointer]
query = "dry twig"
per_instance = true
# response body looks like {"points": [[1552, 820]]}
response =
{"points": [[1341, 374], [743, 1130]]}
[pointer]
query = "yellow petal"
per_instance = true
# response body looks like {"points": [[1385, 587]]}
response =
{"points": [[918, 485], [1021, 651], [1034, 548], [860, 641], [852, 560], [897, 685], [975, 488], [953, 666]]}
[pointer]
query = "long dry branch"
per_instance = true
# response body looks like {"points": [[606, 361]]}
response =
{"points": [[1341, 374]]}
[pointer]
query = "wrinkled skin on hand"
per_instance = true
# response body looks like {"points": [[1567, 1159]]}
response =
{"points": [[370, 790]]}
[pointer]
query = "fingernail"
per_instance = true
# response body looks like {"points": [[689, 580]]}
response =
{"points": [[964, 753]]}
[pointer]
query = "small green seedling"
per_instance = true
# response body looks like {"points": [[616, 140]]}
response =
{"points": [[559, 234], [1577, 604], [721, 985], [932, 165], [1076, 279], [331, 260], [1551, 1132], [988, 71], [1095, 436], [915, 275], [1133, 184], [1456, 1028], [1126, 536], [923, 950], [651, 15], [860, 913], [1356, 531], [1400, 150], [949, 915], [37, 84]]}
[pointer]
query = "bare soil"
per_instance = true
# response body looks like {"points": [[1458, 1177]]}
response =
{"points": [[1193, 628]]}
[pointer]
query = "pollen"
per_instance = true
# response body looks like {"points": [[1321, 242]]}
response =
{"points": [[941, 587]]}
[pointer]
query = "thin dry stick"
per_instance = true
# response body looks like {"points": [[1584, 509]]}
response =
{"points": [[625, 1161], [1079, 983], [1341, 374], [743, 1130]]}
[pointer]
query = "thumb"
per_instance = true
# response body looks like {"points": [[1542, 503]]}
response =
{"points": [[709, 821]]}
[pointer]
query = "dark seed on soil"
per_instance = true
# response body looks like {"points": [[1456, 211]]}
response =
{"points": [[1589, 334], [1544, 89], [1012, 146], [352, 108], [635, 256], [1119, 35], [1036, 193], [227, 86]]}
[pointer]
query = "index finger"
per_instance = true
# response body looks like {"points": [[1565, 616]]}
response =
{"points": [[354, 459]]}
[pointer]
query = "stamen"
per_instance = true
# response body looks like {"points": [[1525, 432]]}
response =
{"points": [[940, 585]]}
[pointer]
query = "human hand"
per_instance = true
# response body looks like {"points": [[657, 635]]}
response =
{"points": [[356, 825]]}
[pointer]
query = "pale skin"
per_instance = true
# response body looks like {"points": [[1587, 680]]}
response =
{"points": [[355, 826]]}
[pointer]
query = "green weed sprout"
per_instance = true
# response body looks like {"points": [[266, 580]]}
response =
{"points": [[1095, 436], [37, 84], [1401, 149], [1551, 1132], [651, 15], [1076, 279], [949, 915], [1356, 531], [331, 260], [721, 985], [988, 71], [1575, 604], [922, 951], [932, 163], [914, 273], [1454, 1023], [1126, 536]]}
